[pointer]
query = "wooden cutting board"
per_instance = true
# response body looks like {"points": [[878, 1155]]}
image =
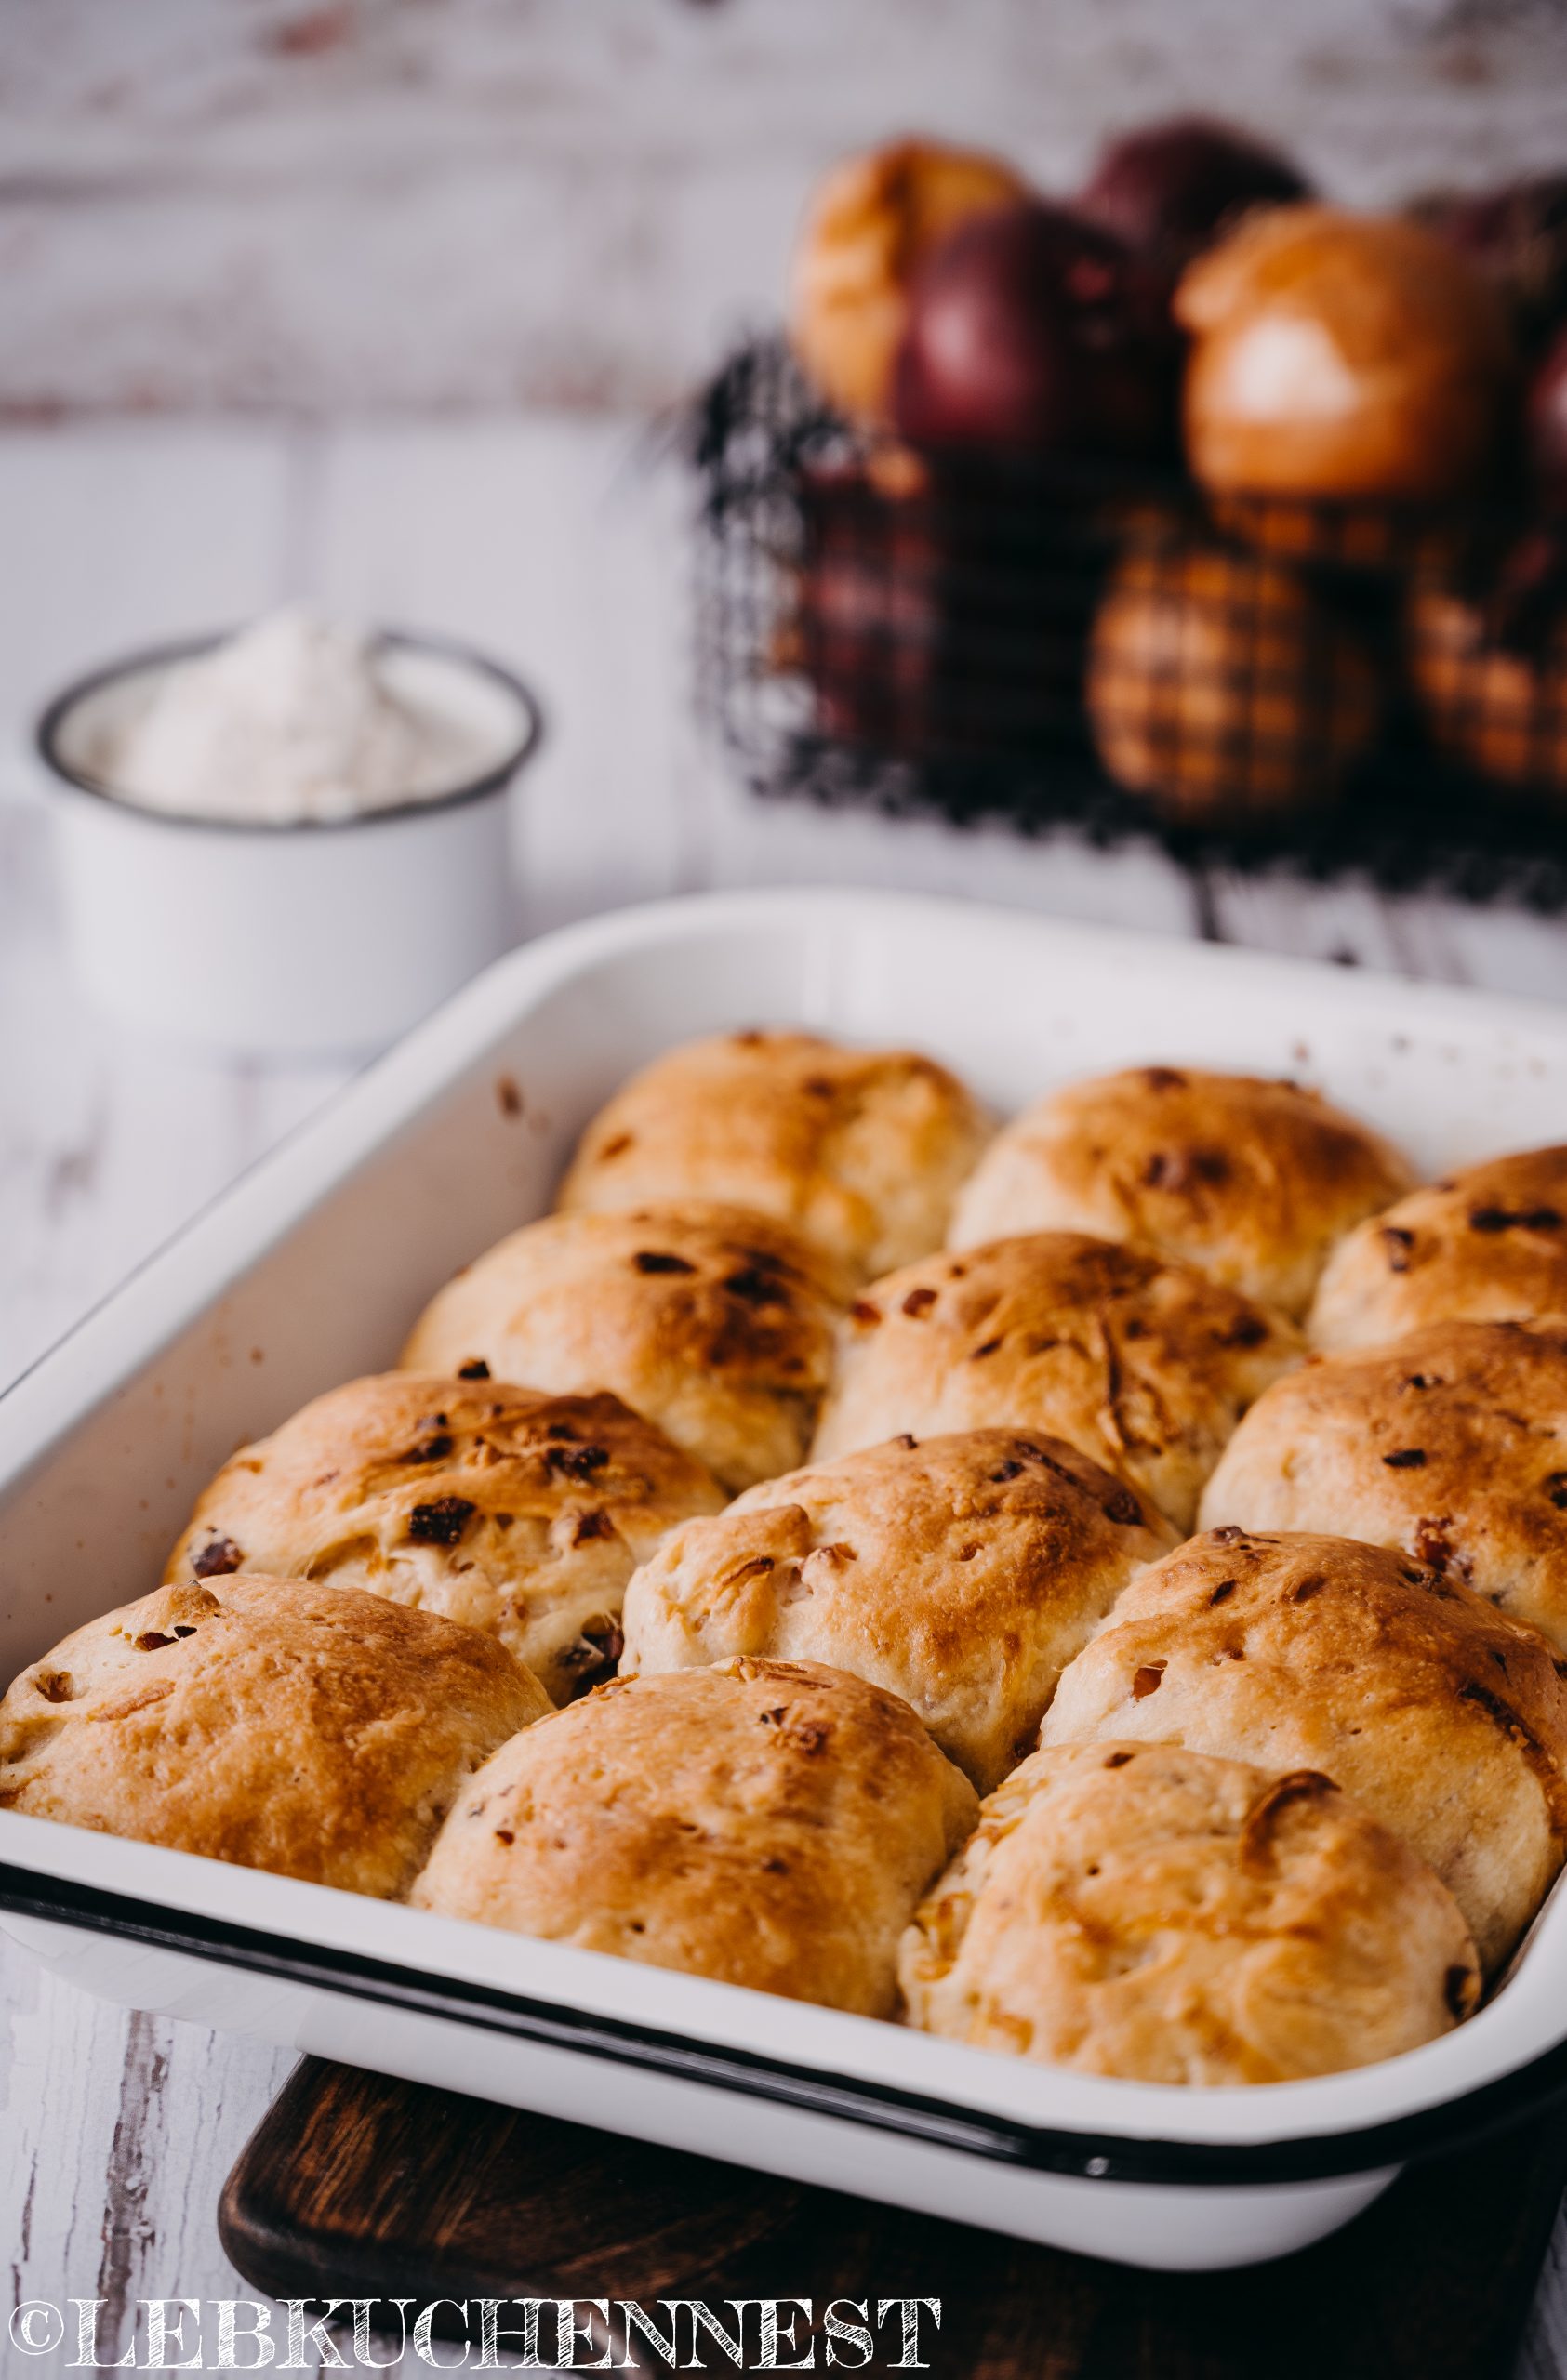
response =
{"points": [[358, 2186]]}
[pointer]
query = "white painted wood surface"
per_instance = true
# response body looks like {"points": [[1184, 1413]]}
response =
{"points": [[550, 542], [408, 205]]}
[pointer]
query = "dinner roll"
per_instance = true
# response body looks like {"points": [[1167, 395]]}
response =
{"points": [[1486, 1245], [961, 1573], [769, 1823], [505, 1508], [1144, 1365], [860, 1151], [711, 1322], [1450, 1444], [1146, 1912], [1447, 1720], [1253, 1180], [272, 1722]]}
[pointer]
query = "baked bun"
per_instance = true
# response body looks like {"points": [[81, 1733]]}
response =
{"points": [[1450, 1444], [710, 1321], [1342, 356], [860, 1151], [1146, 1912], [309, 1729], [1144, 1366], [510, 1510], [1223, 689], [768, 1823], [961, 1573], [1447, 1720], [1254, 1181], [873, 222], [1486, 1245]]}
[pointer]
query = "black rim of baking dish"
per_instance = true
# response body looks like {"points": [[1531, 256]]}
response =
{"points": [[1491, 2107], [495, 779]]}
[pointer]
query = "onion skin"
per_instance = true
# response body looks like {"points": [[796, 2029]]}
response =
{"points": [[1172, 188], [872, 221], [1342, 356], [1546, 427], [1492, 698], [1221, 689], [1516, 237], [1033, 333]]}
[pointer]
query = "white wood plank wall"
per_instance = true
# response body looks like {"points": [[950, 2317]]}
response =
{"points": [[324, 205]]}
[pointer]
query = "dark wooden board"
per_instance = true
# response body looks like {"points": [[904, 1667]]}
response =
{"points": [[355, 2186]]}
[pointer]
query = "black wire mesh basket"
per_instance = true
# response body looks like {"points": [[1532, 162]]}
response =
{"points": [[1331, 688]]}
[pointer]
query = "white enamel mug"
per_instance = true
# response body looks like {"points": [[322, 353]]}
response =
{"points": [[312, 940]]}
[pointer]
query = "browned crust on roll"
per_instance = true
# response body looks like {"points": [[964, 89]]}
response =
{"points": [[1446, 1720], [961, 1573], [859, 1151], [767, 1823], [1147, 1911], [503, 1508], [1144, 1363], [1449, 1444], [313, 1730], [1250, 1179], [1488, 1244], [712, 1322]]}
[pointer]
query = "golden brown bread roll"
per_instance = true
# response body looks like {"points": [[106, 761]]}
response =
{"points": [[313, 1730], [1221, 687], [769, 1823], [873, 222], [504, 1508], [1254, 1181], [1144, 1365], [860, 1151], [1338, 355], [1450, 1444], [1446, 1721], [1488, 1244], [711, 1321], [961, 1573], [1141, 1910]]}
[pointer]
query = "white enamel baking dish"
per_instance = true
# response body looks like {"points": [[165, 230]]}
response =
{"points": [[311, 1270]]}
